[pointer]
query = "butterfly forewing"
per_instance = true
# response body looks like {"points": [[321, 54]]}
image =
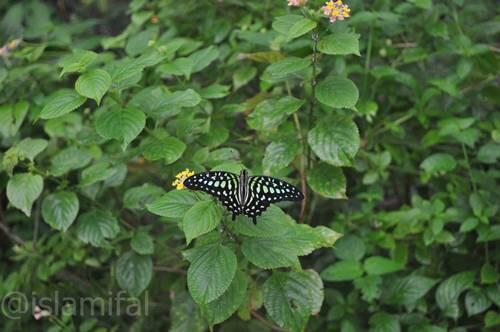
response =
{"points": [[223, 185]]}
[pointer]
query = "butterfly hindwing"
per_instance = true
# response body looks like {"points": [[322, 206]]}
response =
{"points": [[255, 206], [222, 185]]}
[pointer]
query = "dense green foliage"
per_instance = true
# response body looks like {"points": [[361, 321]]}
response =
{"points": [[388, 121]]}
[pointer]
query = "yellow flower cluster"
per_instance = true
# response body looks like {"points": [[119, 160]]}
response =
{"points": [[336, 10], [181, 177]]}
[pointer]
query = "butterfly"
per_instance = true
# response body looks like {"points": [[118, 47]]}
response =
{"points": [[243, 194]]}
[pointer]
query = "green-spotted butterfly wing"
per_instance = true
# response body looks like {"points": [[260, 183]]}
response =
{"points": [[264, 190], [222, 185]]}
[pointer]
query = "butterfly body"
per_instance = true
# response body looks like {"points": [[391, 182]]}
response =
{"points": [[244, 194]]}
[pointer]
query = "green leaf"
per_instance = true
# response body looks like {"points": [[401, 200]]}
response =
{"points": [[77, 61], [221, 309], [283, 242], [489, 153], [202, 58], [350, 247], [293, 26], [291, 297], [408, 290], [270, 252], [491, 319], [170, 149], [342, 271], [60, 209], [447, 85], [304, 239], [173, 204], [138, 43], [180, 66], [370, 287], [489, 275], [272, 222], [340, 43], [378, 265], [29, 148], [185, 314], [194, 63], [493, 293], [67, 126], [449, 290], [124, 73], [23, 189], [215, 91], [424, 4], [142, 243], [383, 322], [121, 124], [139, 197], [491, 233], [93, 84], [242, 76], [337, 92], [288, 68], [12, 117], [335, 145], [96, 173], [61, 102], [96, 227], [327, 181], [151, 57], [180, 99], [232, 166], [200, 219], [134, 272], [476, 302], [270, 113], [211, 272], [438, 163], [69, 159], [469, 224], [280, 154]]}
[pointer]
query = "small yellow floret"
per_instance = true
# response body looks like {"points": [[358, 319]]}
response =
{"points": [[181, 177]]}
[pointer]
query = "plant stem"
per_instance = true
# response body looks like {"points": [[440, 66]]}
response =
{"points": [[169, 269], [302, 169], [368, 59], [36, 227], [267, 323], [7, 231], [303, 161], [474, 187], [12, 236], [315, 39]]}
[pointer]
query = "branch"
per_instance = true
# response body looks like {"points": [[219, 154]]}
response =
{"points": [[11, 235], [303, 165], [315, 38], [267, 323], [302, 169], [405, 45], [169, 269]]}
